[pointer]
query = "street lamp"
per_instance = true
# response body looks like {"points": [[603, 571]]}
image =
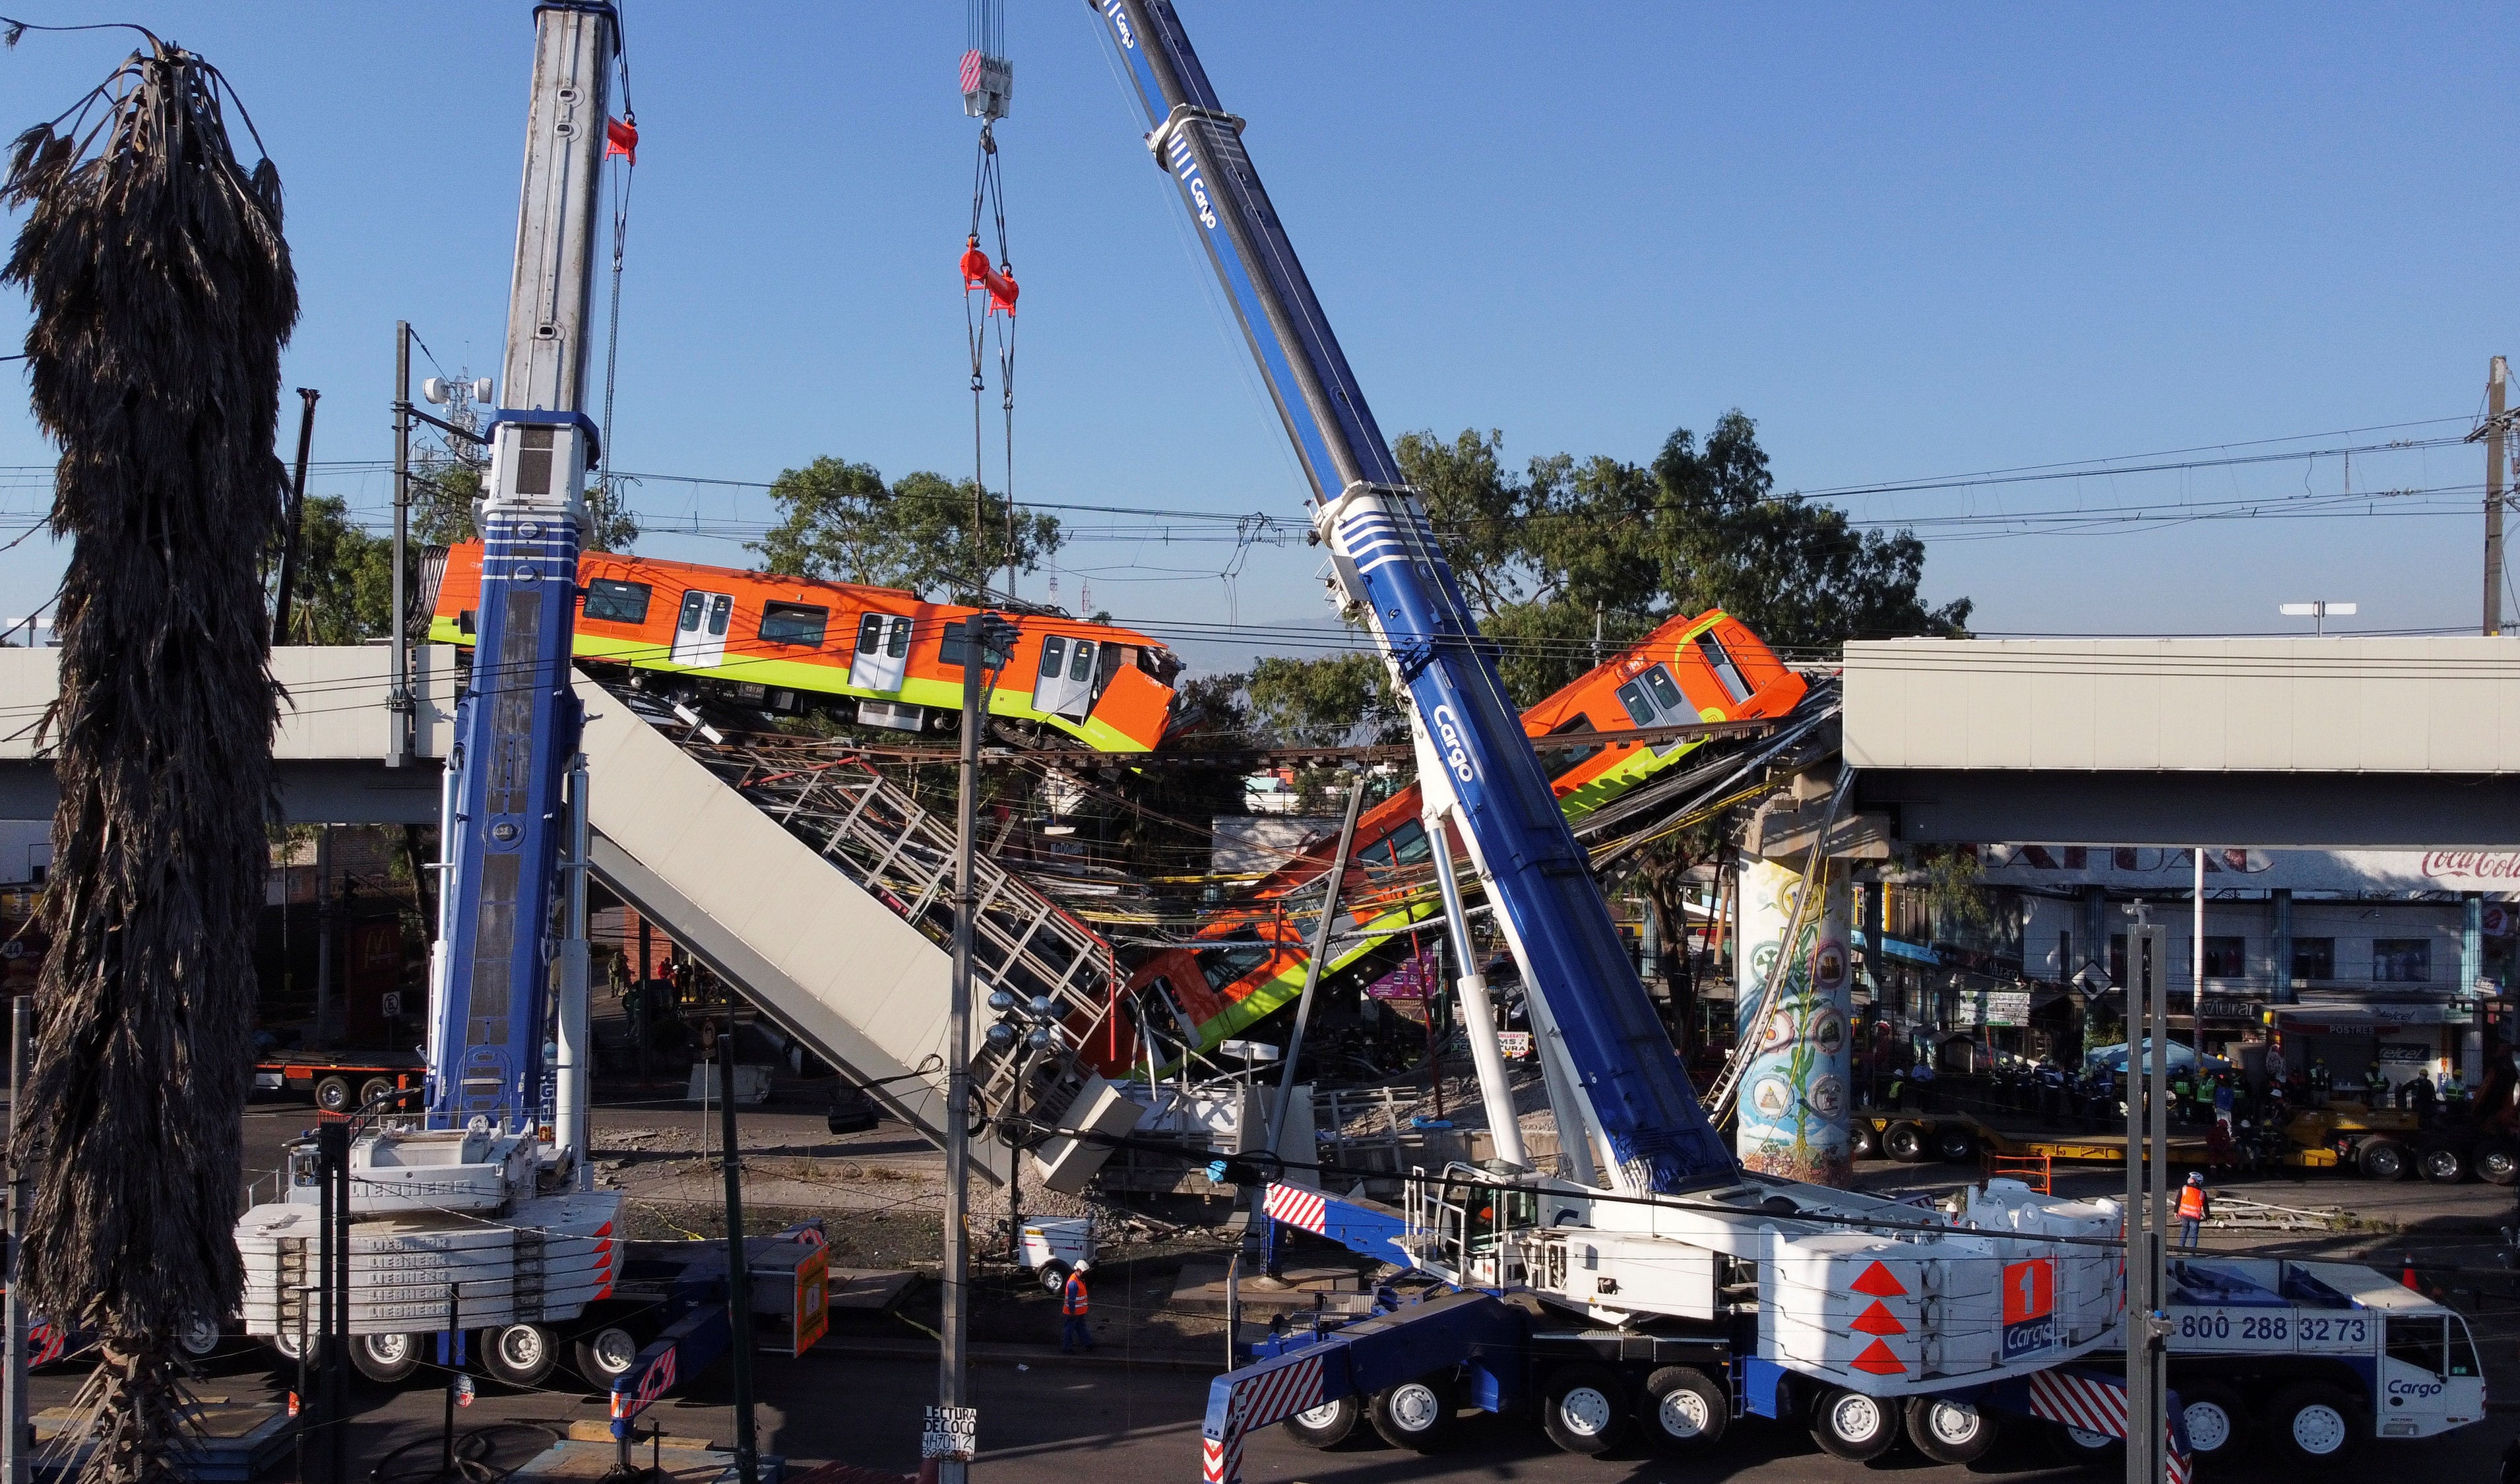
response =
{"points": [[2318, 610]]}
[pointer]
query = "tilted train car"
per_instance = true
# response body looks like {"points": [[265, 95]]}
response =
{"points": [[1253, 956], [775, 642]]}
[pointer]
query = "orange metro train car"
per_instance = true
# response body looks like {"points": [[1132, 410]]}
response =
{"points": [[896, 655], [1253, 956]]}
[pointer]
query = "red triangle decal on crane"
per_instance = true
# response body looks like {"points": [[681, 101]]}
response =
{"points": [[1878, 1359], [1879, 1320], [1877, 1281]]}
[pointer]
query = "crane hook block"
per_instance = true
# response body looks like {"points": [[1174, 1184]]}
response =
{"points": [[976, 273]]}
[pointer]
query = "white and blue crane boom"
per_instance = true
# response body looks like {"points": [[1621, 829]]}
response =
{"points": [[483, 1204], [1677, 1288]]}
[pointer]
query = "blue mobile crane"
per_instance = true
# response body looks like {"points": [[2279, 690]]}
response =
{"points": [[1659, 1286], [484, 1206]]}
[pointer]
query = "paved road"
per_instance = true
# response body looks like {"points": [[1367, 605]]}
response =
{"points": [[1058, 1423], [1129, 1424]]}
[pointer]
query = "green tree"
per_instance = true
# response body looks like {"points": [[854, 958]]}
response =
{"points": [[1333, 702], [344, 578], [924, 532], [1546, 553]]}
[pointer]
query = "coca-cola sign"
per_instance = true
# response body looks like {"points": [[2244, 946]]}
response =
{"points": [[2376, 874], [2473, 865]]}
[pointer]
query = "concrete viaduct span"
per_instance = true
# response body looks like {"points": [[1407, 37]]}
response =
{"points": [[2328, 743]]}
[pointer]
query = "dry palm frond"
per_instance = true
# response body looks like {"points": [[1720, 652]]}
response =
{"points": [[161, 295]]}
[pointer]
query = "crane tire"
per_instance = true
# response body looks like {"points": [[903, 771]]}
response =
{"points": [[2315, 1423], [1417, 1413], [1328, 1426], [388, 1360], [2498, 1162], [1850, 1425], [521, 1355], [1949, 1430], [2218, 1424], [1584, 1409], [1681, 1409]]}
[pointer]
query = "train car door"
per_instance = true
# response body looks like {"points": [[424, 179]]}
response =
{"points": [[1066, 684], [1653, 700], [883, 651], [699, 629]]}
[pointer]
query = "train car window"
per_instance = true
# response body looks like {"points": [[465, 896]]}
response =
{"points": [[1410, 844], [1224, 966], [1054, 655], [949, 649], [1560, 761], [721, 608], [899, 645], [793, 623], [608, 600], [870, 633], [1666, 693], [1726, 673], [1081, 666], [1639, 707], [694, 605]]}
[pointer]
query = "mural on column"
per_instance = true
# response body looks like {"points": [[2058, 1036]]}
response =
{"points": [[1794, 1094]]}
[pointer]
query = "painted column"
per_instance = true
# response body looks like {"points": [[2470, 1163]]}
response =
{"points": [[2095, 937], [1794, 1096], [2282, 948]]}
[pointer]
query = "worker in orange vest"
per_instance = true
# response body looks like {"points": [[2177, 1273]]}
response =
{"points": [[1073, 1309], [2192, 1209]]}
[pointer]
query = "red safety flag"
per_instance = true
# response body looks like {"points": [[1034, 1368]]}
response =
{"points": [[621, 137], [976, 273]]}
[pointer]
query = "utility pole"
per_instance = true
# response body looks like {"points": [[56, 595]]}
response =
{"points": [[399, 707], [2496, 376], [2148, 1192], [983, 634]]}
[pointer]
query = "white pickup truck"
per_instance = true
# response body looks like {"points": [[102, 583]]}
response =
{"points": [[2318, 1354]]}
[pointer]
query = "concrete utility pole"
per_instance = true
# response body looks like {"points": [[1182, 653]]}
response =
{"points": [[2496, 376], [981, 640], [2148, 1191], [398, 706]]}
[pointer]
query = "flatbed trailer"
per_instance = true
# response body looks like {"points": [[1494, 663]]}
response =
{"points": [[1962, 1138], [342, 1081]]}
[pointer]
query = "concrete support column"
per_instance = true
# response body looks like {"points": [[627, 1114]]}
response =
{"points": [[1792, 1118], [2472, 968], [2279, 947]]}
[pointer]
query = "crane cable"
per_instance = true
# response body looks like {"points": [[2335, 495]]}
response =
{"points": [[996, 292], [620, 137]]}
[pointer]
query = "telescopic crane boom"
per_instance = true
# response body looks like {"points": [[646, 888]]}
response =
{"points": [[1614, 1071]]}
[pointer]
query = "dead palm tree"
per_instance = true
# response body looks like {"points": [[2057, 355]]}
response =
{"points": [[161, 293]]}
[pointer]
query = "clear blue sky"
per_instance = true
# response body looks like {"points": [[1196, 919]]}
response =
{"points": [[1911, 241]]}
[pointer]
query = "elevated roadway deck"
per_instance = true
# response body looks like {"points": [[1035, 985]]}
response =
{"points": [[2336, 742]]}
